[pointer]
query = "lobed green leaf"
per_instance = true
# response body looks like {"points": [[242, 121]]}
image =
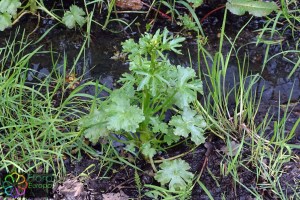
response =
{"points": [[9, 6], [189, 122], [74, 16], [5, 21], [256, 8], [174, 172]]}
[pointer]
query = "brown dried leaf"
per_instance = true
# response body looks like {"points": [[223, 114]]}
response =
{"points": [[234, 147], [129, 4], [115, 196], [72, 188]]}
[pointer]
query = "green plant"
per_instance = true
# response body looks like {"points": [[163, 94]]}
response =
{"points": [[187, 23], [137, 110]]}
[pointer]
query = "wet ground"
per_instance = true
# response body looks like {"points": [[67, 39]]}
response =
{"points": [[97, 63]]}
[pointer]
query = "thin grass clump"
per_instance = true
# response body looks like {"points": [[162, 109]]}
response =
{"points": [[37, 119]]}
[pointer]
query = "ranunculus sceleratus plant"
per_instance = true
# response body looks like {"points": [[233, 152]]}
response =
{"points": [[137, 110]]}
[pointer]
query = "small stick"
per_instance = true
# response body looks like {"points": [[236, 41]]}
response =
{"points": [[214, 10], [175, 157], [161, 13]]}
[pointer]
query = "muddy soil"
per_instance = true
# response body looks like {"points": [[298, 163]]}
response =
{"points": [[99, 65]]}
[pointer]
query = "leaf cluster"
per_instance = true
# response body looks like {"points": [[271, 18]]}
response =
{"points": [[115, 114]]}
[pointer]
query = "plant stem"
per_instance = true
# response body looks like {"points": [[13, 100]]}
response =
{"points": [[175, 157], [152, 164]]}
